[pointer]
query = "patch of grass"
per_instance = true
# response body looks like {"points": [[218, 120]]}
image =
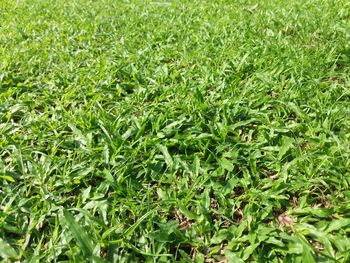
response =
{"points": [[213, 131]]}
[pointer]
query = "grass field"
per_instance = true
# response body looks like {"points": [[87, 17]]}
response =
{"points": [[206, 131]]}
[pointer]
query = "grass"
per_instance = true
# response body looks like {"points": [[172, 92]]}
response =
{"points": [[206, 131]]}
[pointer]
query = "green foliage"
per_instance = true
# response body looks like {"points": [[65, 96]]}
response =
{"points": [[178, 131]]}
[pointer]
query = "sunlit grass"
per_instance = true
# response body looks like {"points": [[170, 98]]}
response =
{"points": [[150, 131]]}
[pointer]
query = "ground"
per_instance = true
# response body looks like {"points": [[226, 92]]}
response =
{"points": [[207, 131]]}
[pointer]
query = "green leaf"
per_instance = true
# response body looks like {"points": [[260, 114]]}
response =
{"points": [[249, 250], [167, 157], [226, 164], [8, 178], [338, 224], [83, 240], [232, 257], [187, 212], [131, 229], [307, 256], [317, 212], [199, 96], [275, 242], [287, 143], [6, 251]]}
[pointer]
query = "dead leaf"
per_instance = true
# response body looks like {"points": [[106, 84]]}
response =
{"points": [[214, 203], [184, 222], [294, 202], [274, 95], [239, 215], [317, 245], [271, 174], [222, 248], [286, 220]]}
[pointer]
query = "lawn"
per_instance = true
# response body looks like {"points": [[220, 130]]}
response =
{"points": [[180, 131]]}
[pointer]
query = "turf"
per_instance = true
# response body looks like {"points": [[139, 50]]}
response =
{"points": [[206, 131]]}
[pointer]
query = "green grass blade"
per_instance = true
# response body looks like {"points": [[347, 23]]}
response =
{"points": [[82, 238], [6, 251]]}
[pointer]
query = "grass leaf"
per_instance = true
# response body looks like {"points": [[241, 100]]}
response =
{"points": [[6, 251], [82, 238]]}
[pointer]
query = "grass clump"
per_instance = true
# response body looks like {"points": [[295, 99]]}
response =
{"points": [[207, 131]]}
